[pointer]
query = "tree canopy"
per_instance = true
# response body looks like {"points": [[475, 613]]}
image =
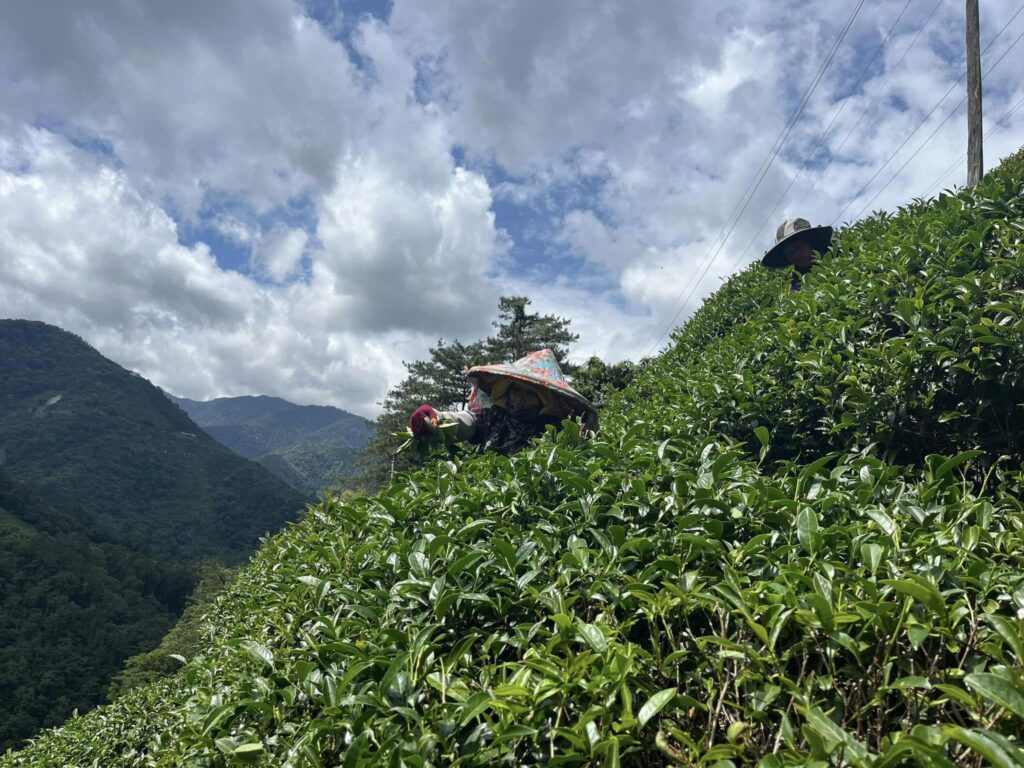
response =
{"points": [[519, 332]]}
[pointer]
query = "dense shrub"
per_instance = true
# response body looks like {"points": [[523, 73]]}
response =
{"points": [[798, 539], [910, 336]]}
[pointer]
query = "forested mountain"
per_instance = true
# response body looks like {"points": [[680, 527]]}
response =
{"points": [[81, 431], [72, 610], [798, 539], [110, 495], [310, 447]]}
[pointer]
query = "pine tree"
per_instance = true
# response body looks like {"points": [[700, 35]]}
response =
{"points": [[520, 332]]}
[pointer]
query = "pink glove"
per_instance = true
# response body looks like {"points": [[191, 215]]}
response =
{"points": [[423, 420]]}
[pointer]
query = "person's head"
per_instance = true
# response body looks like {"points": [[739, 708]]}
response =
{"points": [[796, 243], [799, 254], [534, 381], [522, 395]]}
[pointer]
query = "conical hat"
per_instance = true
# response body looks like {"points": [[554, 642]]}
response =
{"points": [[538, 368], [792, 230]]}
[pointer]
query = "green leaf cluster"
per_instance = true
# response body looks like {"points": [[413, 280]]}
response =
{"points": [[731, 573], [597, 380], [907, 339], [185, 639]]}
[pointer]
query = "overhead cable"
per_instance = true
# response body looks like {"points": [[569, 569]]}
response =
{"points": [[821, 138], [867, 109], [956, 163], [889, 159], [758, 178], [937, 128]]}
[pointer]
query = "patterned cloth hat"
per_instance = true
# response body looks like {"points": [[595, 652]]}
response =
{"points": [[541, 371], [792, 231]]}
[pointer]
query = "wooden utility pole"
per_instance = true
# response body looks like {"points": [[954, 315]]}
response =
{"points": [[975, 164]]}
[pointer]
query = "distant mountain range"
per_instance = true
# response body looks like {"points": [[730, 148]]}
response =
{"points": [[109, 496], [310, 447]]}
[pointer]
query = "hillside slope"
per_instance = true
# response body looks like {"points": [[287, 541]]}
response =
{"points": [[109, 496], [84, 433], [310, 447], [72, 611], [798, 538]]}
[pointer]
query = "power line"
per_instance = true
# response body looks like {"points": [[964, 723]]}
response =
{"points": [[1010, 113], [824, 135], [1006, 116], [937, 128], [763, 171], [867, 108], [889, 159]]}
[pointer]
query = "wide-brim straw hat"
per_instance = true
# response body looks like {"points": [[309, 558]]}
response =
{"points": [[793, 231], [538, 369]]}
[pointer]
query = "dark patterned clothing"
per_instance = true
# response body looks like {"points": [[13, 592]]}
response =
{"points": [[508, 430], [798, 277], [505, 430]]}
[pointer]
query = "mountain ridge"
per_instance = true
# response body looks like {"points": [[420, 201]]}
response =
{"points": [[63, 450], [311, 447], [110, 495]]}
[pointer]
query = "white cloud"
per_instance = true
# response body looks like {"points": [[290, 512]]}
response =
{"points": [[535, 79], [247, 97], [405, 256], [279, 252], [76, 238], [254, 102], [234, 229], [624, 133], [80, 248], [682, 104]]}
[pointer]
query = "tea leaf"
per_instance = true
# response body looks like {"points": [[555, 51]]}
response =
{"points": [[654, 705]]}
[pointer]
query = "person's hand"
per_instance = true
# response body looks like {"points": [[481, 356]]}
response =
{"points": [[423, 420]]}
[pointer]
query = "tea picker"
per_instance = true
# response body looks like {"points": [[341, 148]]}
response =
{"points": [[509, 405], [797, 244]]}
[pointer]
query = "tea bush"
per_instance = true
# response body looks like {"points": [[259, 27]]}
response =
{"points": [[909, 336], [798, 540]]}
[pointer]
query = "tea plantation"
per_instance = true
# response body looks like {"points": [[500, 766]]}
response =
{"points": [[798, 540]]}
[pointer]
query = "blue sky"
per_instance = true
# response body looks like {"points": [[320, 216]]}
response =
{"points": [[291, 198]]}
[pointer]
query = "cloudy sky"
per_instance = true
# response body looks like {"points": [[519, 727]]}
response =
{"points": [[288, 198]]}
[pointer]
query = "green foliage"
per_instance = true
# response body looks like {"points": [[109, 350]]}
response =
{"points": [[729, 574], [185, 639], [98, 740], [520, 332], [597, 380], [112, 494], [88, 435], [908, 339], [439, 380], [327, 458], [310, 447], [72, 609]]}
